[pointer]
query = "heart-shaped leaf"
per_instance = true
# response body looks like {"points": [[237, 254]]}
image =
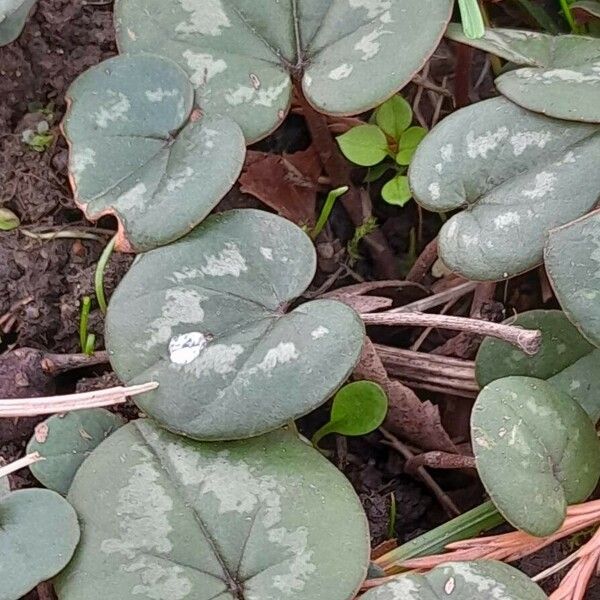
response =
{"points": [[477, 580], [536, 451], [13, 16], [573, 263], [358, 408], [206, 318], [140, 152], [365, 145], [517, 174], [38, 535], [394, 116], [65, 441], [562, 74], [228, 521], [565, 359], [243, 56]]}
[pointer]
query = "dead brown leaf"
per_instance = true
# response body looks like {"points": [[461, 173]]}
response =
{"points": [[288, 183]]}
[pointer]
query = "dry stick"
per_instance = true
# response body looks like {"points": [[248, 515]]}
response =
{"points": [[339, 171], [436, 459], [425, 261], [527, 340], [20, 464], [453, 293], [54, 364], [442, 497], [32, 407]]}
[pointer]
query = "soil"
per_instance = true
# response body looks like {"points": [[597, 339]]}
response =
{"points": [[43, 281]]}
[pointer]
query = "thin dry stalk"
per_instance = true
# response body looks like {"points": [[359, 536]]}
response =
{"points": [[17, 465], [33, 407], [527, 340]]}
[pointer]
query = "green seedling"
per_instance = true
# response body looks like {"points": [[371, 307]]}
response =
{"points": [[369, 226], [387, 143], [8, 220], [39, 139], [358, 409], [99, 274], [326, 211], [87, 340], [472, 19]]}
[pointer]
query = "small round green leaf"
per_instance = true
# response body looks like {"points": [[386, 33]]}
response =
{"points": [[397, 191], [517, 174], [536, 451], [365, 145], [167, 518], [394, 116], [561, 74], [38, 535], [477, 580], [407, 146], [358, 408], [565, 358], [242, 57], [13, 16], [207, 318], [8, 220], [573, 264], [138, 150], [65, 441]]}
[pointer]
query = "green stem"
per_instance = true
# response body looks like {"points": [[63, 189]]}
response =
{"points": [[326, 212], [328, 428], [472, 19], [86, 304], [99, 276], [466, 526], [568, 15]]}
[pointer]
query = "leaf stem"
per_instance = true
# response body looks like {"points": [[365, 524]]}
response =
{"points": [[99, 275], [20, 464], [527, 340], [326, 212], [33, 407]]}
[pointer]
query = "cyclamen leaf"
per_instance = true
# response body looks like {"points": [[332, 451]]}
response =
{"points": [[477, 580], [140, 152], [38, 535], [250, 519], [13, 16], [573, 263], [211, 326], [394, 116], [65, 441], [561, 77], [536, 451], [365, 145], [397, 191], [565, 359], [517, 174], [241, 56]]}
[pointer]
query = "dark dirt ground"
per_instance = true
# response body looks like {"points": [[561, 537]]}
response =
{"points": [[43, 281]]}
